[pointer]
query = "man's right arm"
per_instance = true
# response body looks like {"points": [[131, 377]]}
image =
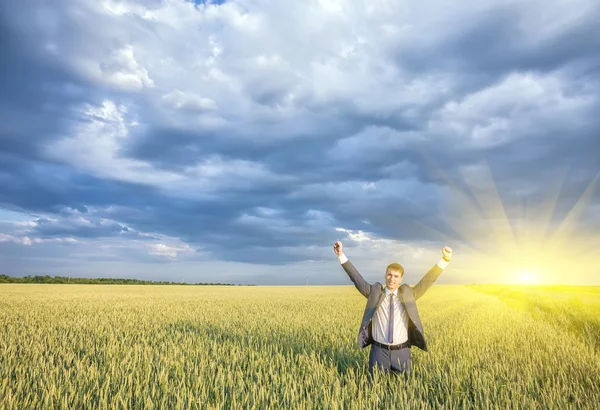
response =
{"points": [[359, 282], [425, 283]]}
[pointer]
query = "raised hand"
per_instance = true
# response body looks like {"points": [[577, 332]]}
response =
{"points": [[338, 248], [447, 253]]}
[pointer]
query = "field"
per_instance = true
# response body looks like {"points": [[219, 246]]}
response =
{"points": [[112, 346]]}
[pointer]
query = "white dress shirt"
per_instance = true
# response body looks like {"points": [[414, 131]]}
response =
{"points": [[381, 318], [381, 321]]}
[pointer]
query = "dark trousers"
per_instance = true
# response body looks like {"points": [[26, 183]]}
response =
{"points": [[396, 361]]}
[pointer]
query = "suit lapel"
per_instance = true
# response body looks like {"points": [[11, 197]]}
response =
{"points": [[402, 289], [401, 297], [411, 312], [381, 296]]}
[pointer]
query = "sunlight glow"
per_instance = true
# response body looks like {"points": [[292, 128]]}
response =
{"points": [[513, 239], [528, 278]]}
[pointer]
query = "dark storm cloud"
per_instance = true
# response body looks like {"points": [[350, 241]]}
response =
{"points": [[39, 187], [36, 93], [501, 39]]}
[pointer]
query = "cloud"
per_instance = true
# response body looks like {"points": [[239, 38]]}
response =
{"points": [[169, 252], [521, 105], [27, 241], [178, 99], [235, 135]]}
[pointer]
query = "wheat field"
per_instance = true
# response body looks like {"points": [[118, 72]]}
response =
{"points": [[170, 347]]}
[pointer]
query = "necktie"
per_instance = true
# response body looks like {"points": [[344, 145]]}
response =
{"points": [[391, 326]]}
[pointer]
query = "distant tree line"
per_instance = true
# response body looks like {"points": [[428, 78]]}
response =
{"points": [[102, 281]]}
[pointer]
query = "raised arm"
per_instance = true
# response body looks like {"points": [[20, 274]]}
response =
{"points": [[425, 283], [361, 284]]}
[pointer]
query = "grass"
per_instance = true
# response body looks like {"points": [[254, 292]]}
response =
{"points": [[96, 346]]}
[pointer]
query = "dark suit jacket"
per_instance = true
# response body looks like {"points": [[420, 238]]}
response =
{"points": [[407, 295]]}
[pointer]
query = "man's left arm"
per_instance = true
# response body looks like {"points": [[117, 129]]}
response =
{"points": [[425, 283]]}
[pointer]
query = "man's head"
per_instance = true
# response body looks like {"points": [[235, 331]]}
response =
{"points": [[393, 276]]}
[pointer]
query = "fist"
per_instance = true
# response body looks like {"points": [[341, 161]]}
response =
{"points": [[338, 248], [446, 253]]}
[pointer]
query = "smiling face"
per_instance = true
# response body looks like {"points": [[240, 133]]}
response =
{"points": [[393, 278]]}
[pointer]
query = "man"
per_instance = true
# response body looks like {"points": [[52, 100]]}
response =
{"points": [[391, 323]]}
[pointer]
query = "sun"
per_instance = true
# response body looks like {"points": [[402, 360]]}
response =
{"points": [[527, 277]]}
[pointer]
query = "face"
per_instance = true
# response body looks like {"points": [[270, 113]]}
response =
{"points": [[392, 279]]}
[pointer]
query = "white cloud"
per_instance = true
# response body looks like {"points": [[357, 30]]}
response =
{"points": [[123, 71], [180, 100], [11, 238], [102, 237], [81, 221], [370, 242], [95, 143], [123, 7], [519, 105], [170, 251], [27, 241], [118, 68], [357, 236]]}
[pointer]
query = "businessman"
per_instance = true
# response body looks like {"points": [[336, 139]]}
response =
{"points": [[391, 323]]}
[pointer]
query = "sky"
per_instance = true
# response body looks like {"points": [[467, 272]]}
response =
{"points": [[236, 141]]}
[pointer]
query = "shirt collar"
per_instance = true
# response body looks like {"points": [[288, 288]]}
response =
{"points": [[387, 291]]}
